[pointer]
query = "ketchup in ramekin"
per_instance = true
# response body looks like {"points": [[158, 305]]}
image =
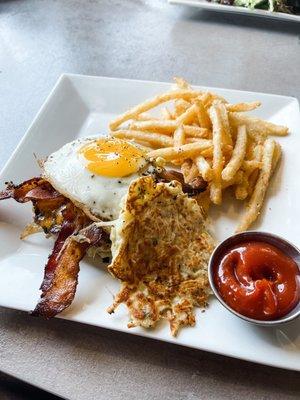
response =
{"points": [[257, 280]]}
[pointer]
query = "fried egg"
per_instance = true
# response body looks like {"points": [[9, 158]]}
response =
{"points": [[95, 173]]}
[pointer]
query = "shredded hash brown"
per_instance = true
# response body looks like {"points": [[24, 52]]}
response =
{"points": [[160, 253]]}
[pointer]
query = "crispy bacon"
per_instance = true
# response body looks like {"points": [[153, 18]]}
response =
{"points": [[73, 221], [59, 290], [67, 230], [19, 192], [50, 208], [34, 189], [54, 213], [45, 199]]}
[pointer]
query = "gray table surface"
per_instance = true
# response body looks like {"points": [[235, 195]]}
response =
{"points": [[143, 39]]}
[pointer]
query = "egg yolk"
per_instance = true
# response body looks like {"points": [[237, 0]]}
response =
{"points": [[113, 157]]}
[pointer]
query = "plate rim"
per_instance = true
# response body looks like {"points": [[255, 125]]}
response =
{"points": [[170, 340]]}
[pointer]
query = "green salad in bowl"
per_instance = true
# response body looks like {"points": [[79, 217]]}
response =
{"points": [[285, 6]]}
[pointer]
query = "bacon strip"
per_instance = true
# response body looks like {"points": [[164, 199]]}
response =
{"points": [[34, 189], [76, 233], [67, 230], [58, 292], [47, 202], [19, 192]]}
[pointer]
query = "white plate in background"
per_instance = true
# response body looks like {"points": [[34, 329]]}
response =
{"points": [[237, 10], [82, 106]]}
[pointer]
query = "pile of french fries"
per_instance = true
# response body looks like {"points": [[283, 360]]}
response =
{"points": [[203, 134]]}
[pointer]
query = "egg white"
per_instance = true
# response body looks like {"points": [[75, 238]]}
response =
{"points": [[99, 196]]}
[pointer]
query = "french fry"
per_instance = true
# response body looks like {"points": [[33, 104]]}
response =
{"points": [[150, 137], [152, 103], [241, 190], [217, 165], [254, 174], [182, 83], [144, 117], [202, 115], [207, 99], [250, 165], [182, 152], [166, 127], [181, 106], [257, 127], [179, 137], [204, 168], [216, 192], [261, 186], [223, 115], [166, 113], [252, 179], [258, 152], [241, 107], [236, 180], [251, 147], [191, 140], [196, 132], [208, 153], [188, 116], [238, 154], [145, 145], [276, 156]]}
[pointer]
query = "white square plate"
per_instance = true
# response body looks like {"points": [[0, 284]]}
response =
{"points": [[237, 10], [82, 106]]}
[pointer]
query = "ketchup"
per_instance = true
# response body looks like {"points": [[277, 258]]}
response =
{"points": [[258, 280]]}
